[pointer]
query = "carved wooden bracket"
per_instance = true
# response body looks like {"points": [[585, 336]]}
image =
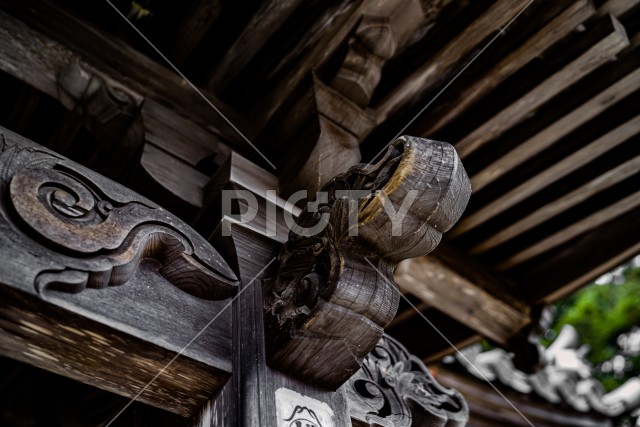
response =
{"points": [[92, 232], [333, 292], [394, 388], [110, 112]]}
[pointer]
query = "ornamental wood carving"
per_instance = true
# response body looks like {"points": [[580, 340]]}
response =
{"points": [[395, 389], [333, 292], [91, 232]]}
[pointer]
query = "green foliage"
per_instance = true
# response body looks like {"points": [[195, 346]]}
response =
{"points": [[600, 313]]}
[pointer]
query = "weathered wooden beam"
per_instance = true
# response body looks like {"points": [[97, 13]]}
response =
{"points": [[592, 221], [437, 69], [551, 209], [617, 8], [559, 129], [484, 303], [566, 268], [49, 37], [100, 284], [560, 169], [566, 22], [611, 40]]}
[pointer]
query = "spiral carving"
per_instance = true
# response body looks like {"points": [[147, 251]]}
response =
{"points": [[105, 230], [394, 388]]}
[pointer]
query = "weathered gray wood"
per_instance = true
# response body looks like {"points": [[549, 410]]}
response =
{"points": [[252, 398], [464, 300], [317, 308], [559, 129], [591, 222], [612, 42], [558, 28], [126, 273], [44, 38], [548, 211], [394, 388], [558, 170], [437, 69]]}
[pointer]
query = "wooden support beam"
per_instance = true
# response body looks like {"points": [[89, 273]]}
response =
{"points": [[613, 40], [560, 169], [566, 268], [559, 129], [483, 302], [617, 8], [100, 284], [49, 38], [551, 209], [584, 225], [437, 69], [556, 30]]}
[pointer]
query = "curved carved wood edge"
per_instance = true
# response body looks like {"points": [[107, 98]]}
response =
{"points": [[327, 305], [394, 388], [95, 232]]}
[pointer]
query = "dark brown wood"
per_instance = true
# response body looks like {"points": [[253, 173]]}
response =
{"points": [[316, 306]]}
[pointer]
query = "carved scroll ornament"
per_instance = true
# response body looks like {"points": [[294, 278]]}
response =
{"points": [[395, 389], [333, 292], [95, 232]]}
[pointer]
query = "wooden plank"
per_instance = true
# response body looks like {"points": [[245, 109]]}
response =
{"points": [[550, 175], [590, 222], [263, 24], [617, 8], [44, 38], [559, 129], [548, 211], [591, 275], [436, 284], [554, 31], [601, 52], [436, 70]]}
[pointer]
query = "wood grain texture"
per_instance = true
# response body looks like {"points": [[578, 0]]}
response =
{"points": [[575, 14], [316, 305], [43, 33], [436, 70], [603, 50], [250, 400], [559, 129], [592, 221], [480, 309], [552, 174], [548, 211], [92, 257]]}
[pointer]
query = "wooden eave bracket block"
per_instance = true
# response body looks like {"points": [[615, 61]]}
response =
{"points": [[333, 293]]}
